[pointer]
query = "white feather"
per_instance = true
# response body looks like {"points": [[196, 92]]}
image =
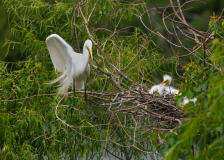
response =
{"points": [[167, 77], [186, 100], [153, 89], [193, 100], [163, 89], [73, 65], [171, 90]]}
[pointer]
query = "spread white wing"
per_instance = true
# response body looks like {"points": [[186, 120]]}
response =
{"points": [[60, 53]]}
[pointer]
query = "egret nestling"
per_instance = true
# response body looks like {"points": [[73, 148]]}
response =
{"points": [[154, 88], [75, 66], [164, 88], [186, 101]]}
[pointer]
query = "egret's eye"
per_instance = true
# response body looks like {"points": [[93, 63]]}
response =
{"points": [[87, 48]]}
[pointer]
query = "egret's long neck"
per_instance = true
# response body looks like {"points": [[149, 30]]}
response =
{"points": [[86, 56], [84, 61]]}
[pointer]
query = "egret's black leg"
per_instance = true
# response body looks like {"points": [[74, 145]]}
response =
{"points": [[95, 119], [72, 106]]}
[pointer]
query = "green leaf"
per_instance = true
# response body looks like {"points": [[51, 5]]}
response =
{"points": [[204, 85]]}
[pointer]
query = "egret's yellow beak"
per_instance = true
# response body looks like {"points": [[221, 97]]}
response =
{"points": [[91, 53], [165, 81]]}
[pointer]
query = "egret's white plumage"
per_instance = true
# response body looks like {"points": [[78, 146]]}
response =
{"points": [[154, 88], [73, 65], [186, 100], [167, 79], [164, 88], [169, 90], [193, 100]]}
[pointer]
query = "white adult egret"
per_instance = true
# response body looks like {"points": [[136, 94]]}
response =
{"points": [[164, 88], [75, 66]]}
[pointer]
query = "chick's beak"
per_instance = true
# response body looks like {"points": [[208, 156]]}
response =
{"points": [[165, 81], [91, 53]]}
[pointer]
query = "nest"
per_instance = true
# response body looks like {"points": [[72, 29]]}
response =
{"points": [[142, 105]]}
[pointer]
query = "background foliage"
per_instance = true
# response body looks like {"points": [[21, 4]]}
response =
{"points": [[29, 128]]}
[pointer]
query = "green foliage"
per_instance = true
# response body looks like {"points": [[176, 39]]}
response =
{"points": [[29, 128], [201, 135]]}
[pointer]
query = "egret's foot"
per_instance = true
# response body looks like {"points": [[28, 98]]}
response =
{"points": [[95, 119], [72, 107]]}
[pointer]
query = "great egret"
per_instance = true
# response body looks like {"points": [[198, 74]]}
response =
{"points": [[75, 66], [164, 88]]}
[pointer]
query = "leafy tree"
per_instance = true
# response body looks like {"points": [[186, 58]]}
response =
{"points": [[33, 120], [201, 135]]}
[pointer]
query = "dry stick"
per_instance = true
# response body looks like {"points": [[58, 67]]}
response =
{"points": [[109, 74], [114, 69], [114, 155], [73, 21], [159, 116], [173, 33], [204, 77], [124, 150], [188, 28], [104, 85], [119, 57], [111, 65], [136, 124], [56, 109], [181, 64], [143, 45], [68, 93], [212, 37], [138, 64], [182, 15], [157, 33], [174, 20], [147, 11], [113, 101], [112, 52], [106, 137], [117, 71], [178, 61], [86, 22]]}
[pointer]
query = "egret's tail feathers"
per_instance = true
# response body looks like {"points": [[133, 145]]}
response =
{"points": [[64, 85], [65, 82], [61, 77]]}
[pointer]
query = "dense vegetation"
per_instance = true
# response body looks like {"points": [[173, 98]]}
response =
{"points": [[29, 126]]}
